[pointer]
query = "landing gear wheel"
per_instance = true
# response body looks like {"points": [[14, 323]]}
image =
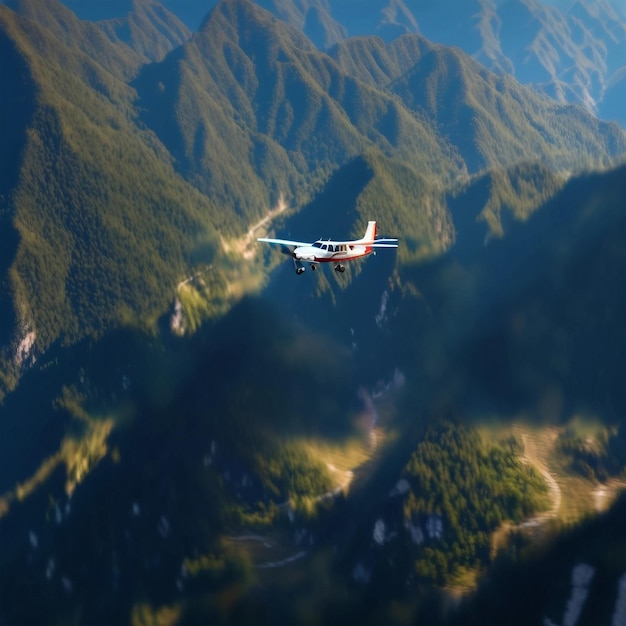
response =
{"points": [[299, 270], [340, 268], [313, 266]]}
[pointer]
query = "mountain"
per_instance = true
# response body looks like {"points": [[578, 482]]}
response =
{"points": [[571, 52], [314, 449], [87, 192], [147, 27], [243, 114], [578, 254], [580, 579], [614, 96], [250, 92], [155, 459], [524, 328], [302, 88], [503, 321], [427, 85]]}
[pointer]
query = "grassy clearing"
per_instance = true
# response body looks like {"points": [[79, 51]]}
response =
{"points": [[574, 496], [342, 456]]}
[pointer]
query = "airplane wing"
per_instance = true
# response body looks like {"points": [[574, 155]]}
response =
{"points": [[286, 245], [284, 242]]}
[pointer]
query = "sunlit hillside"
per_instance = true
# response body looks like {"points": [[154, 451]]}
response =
{"points": [[117, 154], [570, 51], [191, 433]]}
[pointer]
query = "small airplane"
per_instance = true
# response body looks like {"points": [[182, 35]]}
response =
{"points": [[328, 251]]}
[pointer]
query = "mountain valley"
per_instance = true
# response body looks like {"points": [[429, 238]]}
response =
{"points": [[191, 433]]}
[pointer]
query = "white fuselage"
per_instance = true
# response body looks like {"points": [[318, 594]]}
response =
{"points": [[327, 251], [332, 251]]}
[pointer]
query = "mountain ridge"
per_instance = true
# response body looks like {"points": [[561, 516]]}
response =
{"points": [[243, 113], [303, 92], [181, 422], [572, 53], [148, 475], [149, 29], [146, 26], [64, 243]]}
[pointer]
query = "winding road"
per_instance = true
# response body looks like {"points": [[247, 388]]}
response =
{"points": [[532, 456]]}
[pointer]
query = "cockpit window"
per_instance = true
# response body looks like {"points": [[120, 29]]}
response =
{"points": [[317, 244], [325, 247]]}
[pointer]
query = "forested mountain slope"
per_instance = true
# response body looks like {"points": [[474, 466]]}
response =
{"points": [[249, 94], [97, 225], [575, 52], [152, 453], [125, 169], [486, 116], [146, 26], [144, 473]]}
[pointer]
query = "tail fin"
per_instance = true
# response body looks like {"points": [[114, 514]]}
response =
{"points": [[370, 233]]}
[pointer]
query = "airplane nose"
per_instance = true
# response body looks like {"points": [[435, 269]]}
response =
{"points": [[303, 254]]}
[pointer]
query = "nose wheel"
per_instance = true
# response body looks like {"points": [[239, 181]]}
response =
{"points": [[299, 267]]}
